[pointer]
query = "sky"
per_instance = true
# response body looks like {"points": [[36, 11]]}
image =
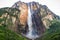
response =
{"points": [[53, 5]]}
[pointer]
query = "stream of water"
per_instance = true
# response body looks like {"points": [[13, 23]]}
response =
{"points": [[30, 34]]}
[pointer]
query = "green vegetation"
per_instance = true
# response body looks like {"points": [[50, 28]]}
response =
{"points": [[9, 11], [54, 32], [6, 34], [5, 22]]}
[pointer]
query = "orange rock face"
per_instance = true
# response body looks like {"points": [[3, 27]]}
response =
{"points": [[23, 13]]}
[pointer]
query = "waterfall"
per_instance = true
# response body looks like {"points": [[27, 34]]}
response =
{"points": [[29, 22], [30, 28], [34, 27]]}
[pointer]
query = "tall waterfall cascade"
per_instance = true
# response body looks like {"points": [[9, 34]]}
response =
{"points": [[30, 28]]}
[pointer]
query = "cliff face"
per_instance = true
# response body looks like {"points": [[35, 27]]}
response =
{"points": [[41, 16], [43, 11], [9, 17], [19, 11]]}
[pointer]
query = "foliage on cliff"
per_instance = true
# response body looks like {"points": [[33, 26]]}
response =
{"points": [[6, 34], [54, 32], [5, 22]]}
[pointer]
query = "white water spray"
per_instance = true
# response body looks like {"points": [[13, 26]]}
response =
{"points": [[30, 28], [29, 34]]}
